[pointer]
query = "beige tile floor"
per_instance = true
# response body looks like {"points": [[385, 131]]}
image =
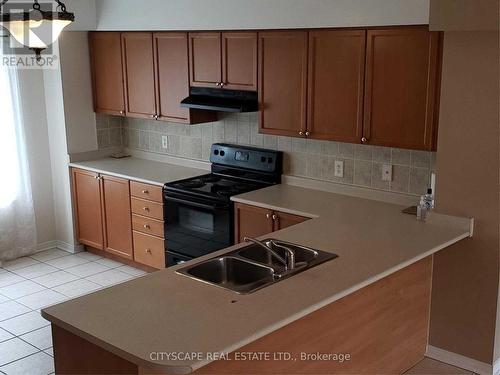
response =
{"points": [[28, 284]]}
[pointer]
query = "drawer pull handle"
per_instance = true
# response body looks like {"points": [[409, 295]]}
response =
{"points": [[146, 209], [148, 251], [146, 226], [145, 192]]}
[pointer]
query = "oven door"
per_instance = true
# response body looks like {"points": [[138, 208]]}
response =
{"points": [[196, 226]]}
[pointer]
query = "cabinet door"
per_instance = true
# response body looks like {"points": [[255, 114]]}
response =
{"points": [[251, 221], [283, 82], [336, 78], [88, 208], [205, 59], [172, 70], [402, 67], [107, 73], [239, 61], [117, 216], [139, 74], [283, 220]]}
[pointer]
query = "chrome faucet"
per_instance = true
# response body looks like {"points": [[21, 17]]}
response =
{"points": [[288, 261]]}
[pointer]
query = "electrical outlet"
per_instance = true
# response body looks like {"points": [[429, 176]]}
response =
{"points": [[339, 168], [386, 172], [164, 142]]}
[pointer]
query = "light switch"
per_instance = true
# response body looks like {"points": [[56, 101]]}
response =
{"points": [[164, 142], [386, 172], [339, 168]]}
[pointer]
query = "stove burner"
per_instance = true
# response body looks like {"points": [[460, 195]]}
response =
{"points": [[210, 179], [194, 184]]}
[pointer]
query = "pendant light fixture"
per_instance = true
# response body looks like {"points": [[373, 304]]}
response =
{"points": [[36, 28]]}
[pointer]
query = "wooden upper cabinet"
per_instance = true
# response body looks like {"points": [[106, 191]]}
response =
{"points": [[402, 69], [138, 61], [87, 202], [251, 221], [107, 74], [283, 82], [335, 84], [172, 71], [239, 60], [205, 59], [118, 217]]}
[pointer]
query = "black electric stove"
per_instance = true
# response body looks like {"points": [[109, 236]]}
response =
{"points": [[198, 211]]}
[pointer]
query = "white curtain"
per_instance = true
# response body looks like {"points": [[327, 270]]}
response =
{"points": [[17, 217]]}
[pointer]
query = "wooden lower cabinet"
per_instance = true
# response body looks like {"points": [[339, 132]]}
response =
{"points": [[87, 202], [117, 214], [112, 215], [149, 250], [252, 221]]}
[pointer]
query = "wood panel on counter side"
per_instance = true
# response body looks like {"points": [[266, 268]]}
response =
{"points": [[401, 87], [107, 73], [383, 327]]}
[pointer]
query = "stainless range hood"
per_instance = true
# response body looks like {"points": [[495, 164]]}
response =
{"points": [[221, 100]]}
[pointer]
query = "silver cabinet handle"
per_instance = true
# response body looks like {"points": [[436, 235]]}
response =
{"points": [[217, 84], [275, 217], [122, 112], [308, 134], [268, 216], [364, 140], [301, 133], [148, 251], [145, 192], [146, 209], [146, 226]]}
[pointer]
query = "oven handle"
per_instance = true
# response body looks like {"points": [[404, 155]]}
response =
{"points": [[195, 204]]}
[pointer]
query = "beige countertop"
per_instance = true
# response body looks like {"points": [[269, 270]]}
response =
{"points": [[168, 312], [142, 170]]}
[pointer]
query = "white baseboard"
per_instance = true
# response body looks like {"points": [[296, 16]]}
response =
{"points": [[59, 245], [461, 361], [496, 367]]}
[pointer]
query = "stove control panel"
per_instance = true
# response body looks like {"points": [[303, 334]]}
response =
{"points": [[258, 159]]}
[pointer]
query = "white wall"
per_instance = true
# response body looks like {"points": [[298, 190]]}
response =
{"points": [[77, 90], [255, 14], [59, 156]]}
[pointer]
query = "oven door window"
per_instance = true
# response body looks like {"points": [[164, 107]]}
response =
{"points": [[195, 227]]}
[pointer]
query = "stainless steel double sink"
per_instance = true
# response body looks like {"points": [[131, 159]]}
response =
{"points": [[252, 267]]}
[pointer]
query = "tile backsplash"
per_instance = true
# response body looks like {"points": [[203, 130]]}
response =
{"points": [[303, 157], [109, 131]]}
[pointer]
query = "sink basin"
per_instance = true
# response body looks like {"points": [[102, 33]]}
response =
{"points": [[231, 273], [252, 267]]}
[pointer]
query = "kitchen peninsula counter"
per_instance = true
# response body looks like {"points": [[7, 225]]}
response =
{"points": [[168, 312]]}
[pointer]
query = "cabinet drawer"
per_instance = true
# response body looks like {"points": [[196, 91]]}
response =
{"points": [[149, 250], [147, 208], [147, 225], [145, 191]]}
